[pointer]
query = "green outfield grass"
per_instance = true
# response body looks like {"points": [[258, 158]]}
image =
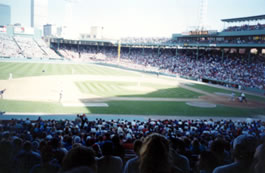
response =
{"points": [[36, 69], [121, 89]]}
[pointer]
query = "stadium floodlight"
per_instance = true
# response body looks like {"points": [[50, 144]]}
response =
{"points": [[203, 14]]}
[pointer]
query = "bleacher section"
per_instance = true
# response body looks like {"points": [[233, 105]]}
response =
{"points": [[8, 48], [51, 53], [30, 48], [25, 47]]}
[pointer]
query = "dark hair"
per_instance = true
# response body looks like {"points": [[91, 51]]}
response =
{"points": [[27, 146], [137, 146], [218, 146], [79, 156], [155, 155], [207, 161], [82, 169], [46, 154], [107, 148]]}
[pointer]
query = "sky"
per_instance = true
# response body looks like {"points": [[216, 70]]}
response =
{"points": [[137, 18]]}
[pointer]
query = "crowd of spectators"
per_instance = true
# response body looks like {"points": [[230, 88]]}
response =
{"points": [[246, 40], [20, 47], [51, 53], [152, 146], [245, 28], [233, 68], [8, 47], [145, 40], [30, 48]]}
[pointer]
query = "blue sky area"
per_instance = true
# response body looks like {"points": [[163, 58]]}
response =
{"points": [[138, 17]]}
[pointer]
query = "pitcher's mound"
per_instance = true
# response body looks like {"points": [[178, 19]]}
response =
{"points": [[201, 104]]}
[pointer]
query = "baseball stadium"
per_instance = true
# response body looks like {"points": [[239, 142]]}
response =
{"points": [[70, 104]]}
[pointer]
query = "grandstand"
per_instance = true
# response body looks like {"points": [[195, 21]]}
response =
{"points": [[226, 50], [165, 105]]}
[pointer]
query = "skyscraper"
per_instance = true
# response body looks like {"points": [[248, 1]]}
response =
{"points": [[5, 15], [39, 13]]}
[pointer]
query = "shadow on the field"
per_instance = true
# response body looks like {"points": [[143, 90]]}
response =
{"points": [[170, 93], [152, 102], [169, 101]]}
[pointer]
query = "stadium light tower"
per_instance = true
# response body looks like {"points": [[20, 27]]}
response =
{"points": [[203, 14], [68, 16]]}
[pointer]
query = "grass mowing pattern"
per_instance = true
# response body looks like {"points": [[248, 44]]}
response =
{"points": [[109, 89], [211, 89], [120, 89], [35, 69]]}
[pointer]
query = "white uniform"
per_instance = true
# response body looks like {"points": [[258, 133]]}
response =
{"points": [[10, 76], [233, 96], [243, 96], [60, 96]]}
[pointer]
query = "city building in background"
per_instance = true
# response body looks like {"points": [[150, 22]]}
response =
{"points": [[5, 15], [50, 30], [39, 13], [47, 30], [96, 32]]}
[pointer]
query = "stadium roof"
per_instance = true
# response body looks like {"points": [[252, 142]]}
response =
{"points": [[243, 19]]}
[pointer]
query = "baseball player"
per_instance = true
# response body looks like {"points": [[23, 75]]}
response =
{"points": [[232, 98], [60, 96], [2, 93]]}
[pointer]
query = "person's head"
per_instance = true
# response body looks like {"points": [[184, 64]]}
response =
{"points": [[137, 146], [27, 146], [17, 143], [35, 145], [244, 147], [82, 169], [207, 161], [79, 156], [46, 154], [259, 160], [6, 150], [107, 148], [97, 150], [178, 144], [217, 147], [155, 154]]}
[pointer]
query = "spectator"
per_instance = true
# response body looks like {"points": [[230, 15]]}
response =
{"points": [[243, 150], [78, 157], [46, 164], [156, 155], [132, 165], [6, 156], [181, 161], [259, 160], [81, 170], [109, 163], [26, 159], [207, 162]]}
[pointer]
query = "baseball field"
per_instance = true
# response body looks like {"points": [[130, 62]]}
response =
{"points": [[90, 88]]}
